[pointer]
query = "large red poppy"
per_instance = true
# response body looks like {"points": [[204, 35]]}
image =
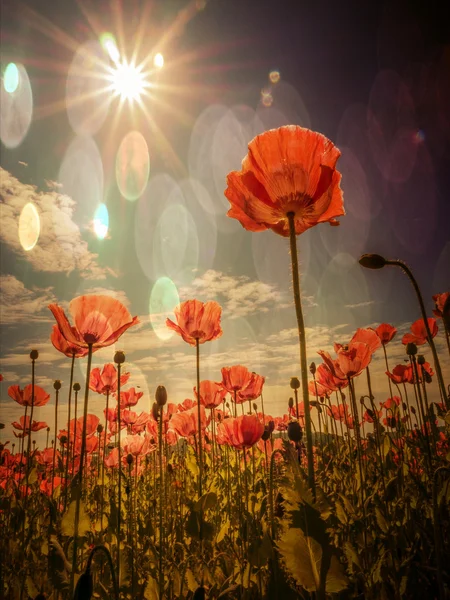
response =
{"points": [[24, 398], [211, 393], [287, 170], [439, 301], [236, 378], [62, 345], [253, 390], [99, 321], [197, 321], [241, 432], [129, 397], [186, 423]]}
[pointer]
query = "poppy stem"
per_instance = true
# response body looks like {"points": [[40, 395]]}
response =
{"points": [[200, 449], [56, 438], [68, 431], [80, 472], [302, 341]]}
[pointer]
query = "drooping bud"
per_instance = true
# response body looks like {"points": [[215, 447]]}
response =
{"points": [[57, 385], [411, 349], [312, 368], [361, 400], [372, 261], [199, 593], [420, 359], [294, 431], [85, 586], [413, 410], [255, 407], [76, 387], [63, 440], [34, 355], [295, 383], [99, 428], [155, 411], [129, 459], [161, 395], [291, 402], [427, 377], [119, 357]]}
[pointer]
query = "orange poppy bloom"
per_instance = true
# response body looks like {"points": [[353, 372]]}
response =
{"points": [[439, 301], [385, 332], [99, 321], [211, 393], [236, 378], [62, 345], [286, 170], [197, 321], [23, 397], [419, 333], [241, 432], [105, 381], [253, 390]]}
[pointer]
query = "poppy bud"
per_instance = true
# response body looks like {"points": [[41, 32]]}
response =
{"points": [[48, 429], [295, 383], [294, 431], [155, 411], [271, 426], [370, 413], [413, 410], [312, 368], [99, 428], [372, 261], [161, 395], [427, 377], [255, 406], [361, 400], [129, 459], [34, 354], [169, 468], [84, 587], [199, 593], [57, 385], [76, 387], [266, 435], [411, 349], [119, 357], [421, 359], [404, 406], [291, 403], [63, 439], [40, 597]]}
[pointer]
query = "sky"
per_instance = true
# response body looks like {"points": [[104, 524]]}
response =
{"points": [[372, 77]]}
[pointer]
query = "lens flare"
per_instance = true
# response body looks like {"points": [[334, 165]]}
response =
{"points": [[11, 78], [29, 227], [158, 61], [101, 222], [274, 76], [108, 42], [163, 299], [128, 81]]}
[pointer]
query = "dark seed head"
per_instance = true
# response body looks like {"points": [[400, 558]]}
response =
{"points": [[161, 395], [294, 431], [295, 383]]}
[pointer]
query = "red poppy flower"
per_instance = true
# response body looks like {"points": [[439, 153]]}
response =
{"points": [[365, 336], [62, 345], [112, 460], [92, 422], [236, 379], [286, 170], [253, 390], [351, 360], [24, 424], [186, 423], [129, 398], [211, 393], [317, 389], [99, 321], [339, 413], [419, 333], [242, 432], [197, 321], [401, 374], [325, 378], [23, 397], [187, 404], [440, 300], [105, 381], [385, 332], [391, 402], [137, 445]]}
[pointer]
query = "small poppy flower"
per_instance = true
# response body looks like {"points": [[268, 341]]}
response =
{"points": [[289, 170], [401, 374], [129, 398], [187, 404], [236, 378], [186, 423], [439, 301], [253, 390], [211, 393], [197, 321], [242, 432], [386, 333], [351, 360], [105, 381], [24, 424], [99, 321], [419, 333], [24, 398]]}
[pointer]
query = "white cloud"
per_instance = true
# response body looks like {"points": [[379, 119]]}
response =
{"points": [[60, 247], [20, 305]]}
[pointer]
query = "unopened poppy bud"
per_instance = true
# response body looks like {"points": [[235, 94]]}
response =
{"points": [[411, 349], [421, 359], [271, 426], [362, 399], [48, 429], [155, 411], [119, 357], [169, 468], [34, 354], [370, 413], [255, 406], [294, 431], [129, 459], [63, 439], [99, 428], [312, 368], [76, 387], [372, 261], [161, 395], [295, 383], [291, 402], [266, 434], [413, 410], [57, 384], [427, 377], [404, 406]]}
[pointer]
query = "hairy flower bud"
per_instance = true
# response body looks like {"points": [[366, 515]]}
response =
{"points": [[63, 440], [34, 354], [57, 384], [294, 431], [161, 395], [76, 387], [129, 459], [312, 368], [291, 402], [411, 349], [99, 428], [155, 411], [295, 383], [119, 357]]}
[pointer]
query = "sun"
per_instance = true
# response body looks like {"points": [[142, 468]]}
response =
{"points": [[128, 81]]}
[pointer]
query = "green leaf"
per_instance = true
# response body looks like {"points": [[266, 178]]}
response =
{"points": [[223, 531], [382, 523], [340, 513], [191, 581], [207, 501], [336, 580], [31, 588], [68, 521], [151, 590]]}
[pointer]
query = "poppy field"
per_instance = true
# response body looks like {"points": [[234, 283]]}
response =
{"points": [[345, 495]]}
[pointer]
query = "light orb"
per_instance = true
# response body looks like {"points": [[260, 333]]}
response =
{"points": [[158, 61], [108, 42], [128, 81], [101, 222], [11, 78]]}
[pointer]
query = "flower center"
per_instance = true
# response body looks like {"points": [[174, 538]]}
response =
{"points": [[90, 337]]}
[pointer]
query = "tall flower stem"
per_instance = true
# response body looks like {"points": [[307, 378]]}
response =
{"points": [[68, 430], [80, 471], [200, 448], [119, 358], [57, 386], [103, 461], [437, 364], [302, 341], [161, 494]]}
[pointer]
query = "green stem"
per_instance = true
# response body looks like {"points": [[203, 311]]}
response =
{"points": [[68, 431], [302, 341]]}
